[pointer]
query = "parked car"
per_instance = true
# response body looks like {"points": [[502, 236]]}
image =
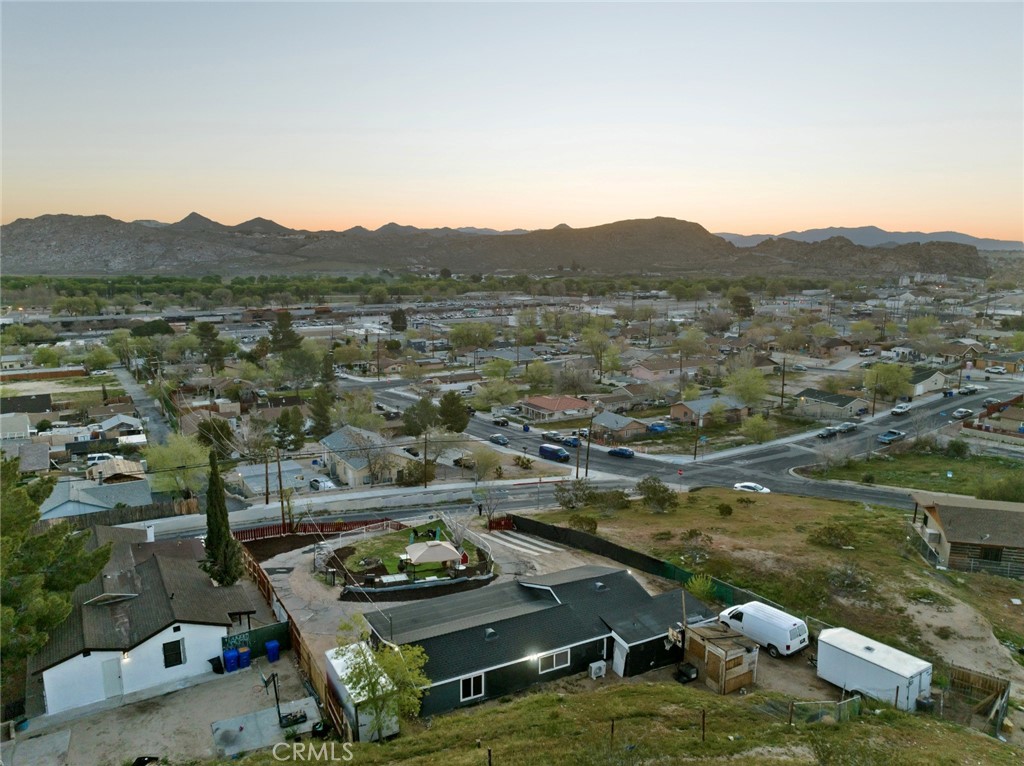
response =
{"points": [[867, 352], [962, 413], [554, 452], [847, 427], [499, 439], [583, 433], [992, 401], [749, 486], [571, 441], [890, 436], [412, 451], [500, 421], [621, 452], [320, 484], [901, 409], [968, 390], [997, 370], [799, 368], [465, 461], [552, 436], [829, 432], [657, 428]]}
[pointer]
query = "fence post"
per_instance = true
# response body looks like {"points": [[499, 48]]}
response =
{"points": [[611, 740], [703, 723], [790, 712]]}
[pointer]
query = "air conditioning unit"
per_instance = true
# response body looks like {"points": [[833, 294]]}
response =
{"points": [[597, 669]]}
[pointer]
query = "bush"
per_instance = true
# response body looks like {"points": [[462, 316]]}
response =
{"points": [[701, 587], [611, 500], [724, 509], [523, 462], [832, 535], [868, 478], [582, 523], [663, 535], [958, 449], [499, 472]]}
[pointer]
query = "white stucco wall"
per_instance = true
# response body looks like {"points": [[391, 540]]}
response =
{"points": [[75, 682], [79, 680]]}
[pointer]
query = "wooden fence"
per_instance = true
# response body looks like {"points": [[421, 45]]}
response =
{"points": [[307, 661], [312, 528]]}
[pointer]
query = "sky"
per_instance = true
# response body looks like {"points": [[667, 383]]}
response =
{"points": [[752, 118]]}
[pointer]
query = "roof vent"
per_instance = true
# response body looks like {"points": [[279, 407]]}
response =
{"points": [[600, 586], [490, 634]]}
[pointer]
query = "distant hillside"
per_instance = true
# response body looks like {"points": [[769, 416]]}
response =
{"points": [[872, 236], [66, 244]]}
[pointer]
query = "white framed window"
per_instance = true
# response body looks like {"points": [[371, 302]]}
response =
{"points": [[472, 687], [554, 661]]}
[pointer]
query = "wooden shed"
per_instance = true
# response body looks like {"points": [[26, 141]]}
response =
{"points": [[725, 659]]}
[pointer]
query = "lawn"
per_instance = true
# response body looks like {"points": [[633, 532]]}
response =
{"points": [[660, 722], [931, 472], [388, 547]]}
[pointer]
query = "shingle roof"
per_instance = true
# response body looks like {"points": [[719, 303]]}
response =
{"points": [[143, 589], [98, 496], [349, 442], [614, 422], [468, 632], [968, 520]]}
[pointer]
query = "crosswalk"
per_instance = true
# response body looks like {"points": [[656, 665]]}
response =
{"points": [[522, 544]]}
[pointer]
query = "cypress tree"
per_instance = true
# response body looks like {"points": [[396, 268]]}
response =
{"points": [[223, 552]]}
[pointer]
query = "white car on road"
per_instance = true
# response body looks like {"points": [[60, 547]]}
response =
{"points": [[749, 486]]}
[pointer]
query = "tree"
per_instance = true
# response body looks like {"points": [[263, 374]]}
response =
{"points": [[99, 358], [538, 375], [254, 439], [863, 329], [356, 409], [574, 494], [321, 412], [289, 429], [216, 434], [422, 415], [38, 572], [716, 322], [177, 466], [390, 678], [471, 335], [749, 386], [282, 335], [210, 344], [758, 429], [889, 380], [399, 321], [494, 392], [597, 343], [485, 462], [657, 495], [327, 373], [373, 449], [301, 363], [223, 560], [497, 368], [452, 412]]}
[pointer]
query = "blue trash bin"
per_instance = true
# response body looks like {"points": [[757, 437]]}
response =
{"points": [[231, 660], [526, 428], [244, 656], [273, 651]]}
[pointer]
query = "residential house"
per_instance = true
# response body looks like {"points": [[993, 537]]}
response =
{"points": [[120, 425], [15, 425], [115, 471], [489, 642], [29, 403], [924, 380], [971, 535], [662, 368], [545, 408], [608, 425], [960, 352], [702, 411], [836, 347], [822, 405], [262, 478], [357, 457], [152, 617], [33, 458], [75, 496]]}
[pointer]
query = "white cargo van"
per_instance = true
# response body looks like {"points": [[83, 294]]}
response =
{"points": [[778, 632]]}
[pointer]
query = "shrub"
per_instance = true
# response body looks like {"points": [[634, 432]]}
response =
{"points": [[958, 449], [724, 509], [702, 587], [690, 534], [611, 500], [582, 523], [523, 462], [663, 535], [832, 535], [868, 478], [499, 472]]}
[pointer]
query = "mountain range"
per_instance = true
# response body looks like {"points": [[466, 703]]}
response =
{"points": [[872, 236], [99, 245]]}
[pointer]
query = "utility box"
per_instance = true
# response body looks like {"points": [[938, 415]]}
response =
{"points": [[858, 664]]}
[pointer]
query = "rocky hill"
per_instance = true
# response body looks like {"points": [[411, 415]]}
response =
{"points": [[66, 244], [872, 236]]}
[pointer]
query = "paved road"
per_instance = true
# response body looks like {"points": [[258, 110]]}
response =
{"points": [[156, 424]]}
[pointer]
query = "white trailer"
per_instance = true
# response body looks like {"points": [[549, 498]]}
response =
{"points": [[858, 664], [353, 698]]}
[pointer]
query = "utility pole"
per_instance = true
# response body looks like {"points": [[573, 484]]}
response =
{"points": [[782, 396], [424, 458], [696, 435], [280, 490], [266, 480]]}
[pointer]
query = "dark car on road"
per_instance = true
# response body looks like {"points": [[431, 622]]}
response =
{"points": [[499, 439], [621, 452], [830, 432]]}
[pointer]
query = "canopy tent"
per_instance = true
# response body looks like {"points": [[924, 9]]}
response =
{"points": [[432, 551]]}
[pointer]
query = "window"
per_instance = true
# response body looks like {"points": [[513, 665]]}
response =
{"points": [[554, 661], [174, 653], [472, 687], [992, 554], [736, 616]]}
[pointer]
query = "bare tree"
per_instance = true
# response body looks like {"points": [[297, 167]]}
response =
{"points": [[379, 461]]}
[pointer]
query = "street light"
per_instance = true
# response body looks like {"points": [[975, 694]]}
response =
{"points": [[590, 435]]}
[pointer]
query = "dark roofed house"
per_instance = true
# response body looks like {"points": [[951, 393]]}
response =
{"points": [[152, 617], [503, 638], [821, 404], [971, 535]]}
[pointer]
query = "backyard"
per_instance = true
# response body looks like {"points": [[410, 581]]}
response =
{"points": [[388, 548]]}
